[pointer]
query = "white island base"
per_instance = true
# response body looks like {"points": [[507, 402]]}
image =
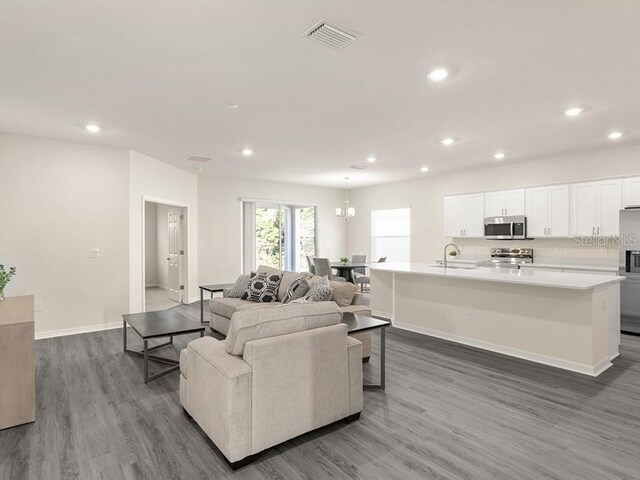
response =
{"points": [[567, 320]]}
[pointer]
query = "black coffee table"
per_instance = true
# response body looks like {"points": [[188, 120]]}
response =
{"points": [[362, 323], [164, 323]]}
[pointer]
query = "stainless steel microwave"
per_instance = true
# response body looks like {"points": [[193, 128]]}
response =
{"points": [[512, 227]]}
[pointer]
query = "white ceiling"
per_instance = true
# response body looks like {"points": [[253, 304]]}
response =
{"points": [[156, 74]]}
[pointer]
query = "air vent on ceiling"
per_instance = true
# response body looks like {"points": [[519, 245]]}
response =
{"points": [[358, 167], [195, 158], [331, 35]]}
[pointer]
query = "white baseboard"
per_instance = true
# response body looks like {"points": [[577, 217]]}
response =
{"points": [[151, 285], [163, 287], [593, 371], [78, 330]]}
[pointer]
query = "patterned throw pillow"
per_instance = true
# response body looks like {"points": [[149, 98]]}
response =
{"points": [[296, 290], [241, 285], [263, 288], [319, 292]]}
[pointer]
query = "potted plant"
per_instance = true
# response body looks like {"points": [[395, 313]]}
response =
{"points": [[453, 253], [344, 260], [5, 278]]}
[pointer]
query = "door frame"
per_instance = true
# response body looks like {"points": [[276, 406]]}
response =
{"points": [[185, 239]]}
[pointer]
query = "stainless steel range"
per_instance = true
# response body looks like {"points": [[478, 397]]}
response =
{"points": [[508, 258]]}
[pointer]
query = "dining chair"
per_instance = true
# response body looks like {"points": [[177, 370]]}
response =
{"points": [[323, 267], [312, 267], [359, 259]]}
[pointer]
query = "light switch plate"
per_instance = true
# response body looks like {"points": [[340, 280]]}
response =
{"points": [[94, 252]]}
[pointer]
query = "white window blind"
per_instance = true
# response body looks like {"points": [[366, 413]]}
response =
{"points": [[391, 234]]}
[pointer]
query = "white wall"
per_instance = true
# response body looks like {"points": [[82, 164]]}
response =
{"points": [[151, 244], [153, 180], [220, 221], [425, 197], [59, 199]]}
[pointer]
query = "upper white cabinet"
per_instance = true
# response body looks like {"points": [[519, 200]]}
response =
{"points": [[464, 215], [547, 210], [505, 202], [595, 208], [631, 192]]}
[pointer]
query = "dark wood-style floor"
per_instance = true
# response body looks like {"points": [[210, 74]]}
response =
{"points": [[449, 412]]}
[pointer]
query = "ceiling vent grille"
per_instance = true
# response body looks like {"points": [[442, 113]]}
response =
{"points": [[195, 158], [331, 35]]}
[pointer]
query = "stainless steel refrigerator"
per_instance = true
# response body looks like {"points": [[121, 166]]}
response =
{"points": [[630, 268]]}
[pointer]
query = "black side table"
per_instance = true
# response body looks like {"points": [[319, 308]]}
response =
{"points": [[217, 287]]}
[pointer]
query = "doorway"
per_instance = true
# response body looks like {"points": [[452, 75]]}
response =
{"points": [[164, 255]]}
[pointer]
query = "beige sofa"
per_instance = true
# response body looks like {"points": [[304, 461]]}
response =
{"points": [[222, 309], [280, 372]]}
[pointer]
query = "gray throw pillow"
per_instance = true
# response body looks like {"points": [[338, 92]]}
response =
{"points": [[241, 285], [263, 288], [319, 292], [296, 290]]}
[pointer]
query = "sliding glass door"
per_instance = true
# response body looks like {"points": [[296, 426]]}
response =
{"points": [[279, 235]]}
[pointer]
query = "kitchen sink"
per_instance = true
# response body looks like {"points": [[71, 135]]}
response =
{"points": [[456, 267]]}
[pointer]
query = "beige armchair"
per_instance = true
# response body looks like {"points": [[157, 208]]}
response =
{"points": [[281, 372]]}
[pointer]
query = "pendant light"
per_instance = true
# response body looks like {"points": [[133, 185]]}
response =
{"points": [[346, 211]]}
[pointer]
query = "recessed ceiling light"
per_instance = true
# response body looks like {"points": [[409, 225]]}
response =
{"points": [[424, 169], [371, 159], [232, 106], [573, 112], [247, 152], [499, 156], [447, 141], [92, 128], [615, 135], [438, 74]]}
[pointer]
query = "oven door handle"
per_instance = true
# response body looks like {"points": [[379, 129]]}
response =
{"points": [[511, 225]]}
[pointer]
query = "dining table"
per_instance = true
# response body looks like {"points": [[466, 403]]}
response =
{"points": [[345, 270]]}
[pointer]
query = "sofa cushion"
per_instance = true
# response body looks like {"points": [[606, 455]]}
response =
{"points": [[343, 293], [357, 309], [247, 325], [226, 307], [263, 288]]}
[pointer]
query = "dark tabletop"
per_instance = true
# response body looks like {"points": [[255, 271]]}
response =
{"points": [[216, 287], [348, 265], [361, 323], [163, 323]]}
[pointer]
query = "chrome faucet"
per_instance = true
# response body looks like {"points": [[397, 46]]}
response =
{"points": [[444, 254]]}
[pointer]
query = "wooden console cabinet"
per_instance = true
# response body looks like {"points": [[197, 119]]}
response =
{"points": [[17, 362]]}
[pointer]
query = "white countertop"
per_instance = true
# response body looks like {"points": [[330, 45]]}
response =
{"points": [[541, 278], [566, 265]]}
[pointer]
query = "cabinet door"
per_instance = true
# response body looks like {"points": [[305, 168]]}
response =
{"points": [[514, 202], [631, 192], [494, 204], [454, 215], [537, 211], [474, 215], [610, 203], [558, 224], [584, 203]]}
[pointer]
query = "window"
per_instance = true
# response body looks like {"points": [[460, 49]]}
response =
{"points": [[278, 235], [391, 234]]}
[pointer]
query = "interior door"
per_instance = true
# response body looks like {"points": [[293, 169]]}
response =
{"points": [[175, 254]]}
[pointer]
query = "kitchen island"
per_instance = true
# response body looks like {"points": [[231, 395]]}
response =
{"points": [[567, 320]]}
